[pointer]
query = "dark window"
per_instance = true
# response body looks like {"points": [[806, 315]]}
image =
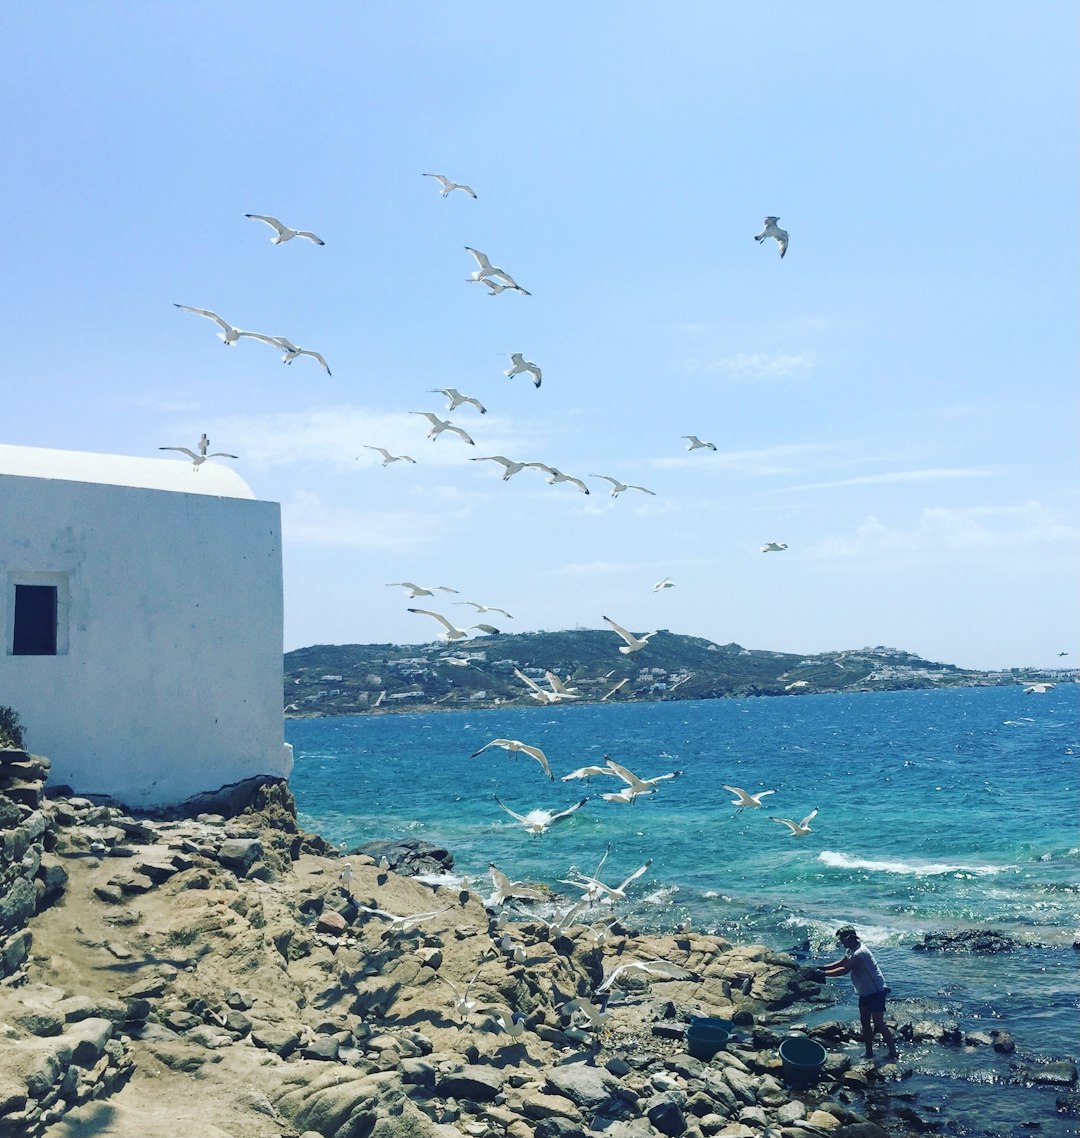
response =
{"points": [[35, 621]]}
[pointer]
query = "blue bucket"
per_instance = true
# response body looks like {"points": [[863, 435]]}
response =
{"points": [[706, 1035], [803, 1059]]}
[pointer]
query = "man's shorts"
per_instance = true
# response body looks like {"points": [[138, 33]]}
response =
{"points": [[875, 1002]]}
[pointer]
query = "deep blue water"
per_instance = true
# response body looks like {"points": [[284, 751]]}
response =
{"points": [[938, 810]]}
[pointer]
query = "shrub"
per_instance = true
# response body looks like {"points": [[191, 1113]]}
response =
{"points": [[11, 732]]}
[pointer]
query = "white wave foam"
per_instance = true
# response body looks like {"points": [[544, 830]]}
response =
{"points": [[907, 868], [660, 896]]}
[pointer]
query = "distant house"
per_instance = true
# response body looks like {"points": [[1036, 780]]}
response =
{"points": [[141, 623]]}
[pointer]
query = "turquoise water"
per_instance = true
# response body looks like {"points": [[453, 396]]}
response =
{"points": [[937, 811]]}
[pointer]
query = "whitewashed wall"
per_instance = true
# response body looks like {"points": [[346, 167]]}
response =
{"points": [[167, 681]]}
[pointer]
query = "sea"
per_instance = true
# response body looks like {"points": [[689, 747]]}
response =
{"points": [[938, 811]]}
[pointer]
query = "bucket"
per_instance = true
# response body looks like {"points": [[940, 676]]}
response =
{"points": [[803, 1059], [706, 1035]]}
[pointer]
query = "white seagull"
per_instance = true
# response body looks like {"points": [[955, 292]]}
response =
{"points": [[595, 1016], [439, 425], [292, 351], [744, 800], [538, 821], [387, 456], [618, 487], [512, 1024], [200, 456], [696, 443], [513, 948], [457, 399], [1038, 688], [516, 746], [798, 829], [633, 643], [510, 467], [485, 608], [487, 269], [462, 1005], [283, 233], [448, 186], [586, 773], [558, 691], [406, 921], [596, 890], [453, 633], [663, 968], [421, 590], [495, 287], [666, 583], [635, 785], [520, 365], [774, 547], [228, 334], [780, 236], [621, 682], [556, 475], [345, 876], [506, 890]]}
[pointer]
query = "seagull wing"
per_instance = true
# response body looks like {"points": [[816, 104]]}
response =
{"points": [[222, 454], [744, 799], [634, 876], [480, 258], [182, 450], [631, 486], [568, 811], [615, 688], [540, 757], [208, 314], [541, 466], [627, 776], [273, 341], [792, 826], [608, 478], [463, 434], [513, 814], [809, 818], [271, 221], [438, 616], [531, 683], [310, 236], [315, 356], [627, 636]]}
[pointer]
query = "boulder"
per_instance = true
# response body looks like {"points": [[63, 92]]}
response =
{"points": [[483, 1084], [586, 1087]]}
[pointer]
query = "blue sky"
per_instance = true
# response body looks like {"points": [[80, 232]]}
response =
{"points": [[895, 400]]}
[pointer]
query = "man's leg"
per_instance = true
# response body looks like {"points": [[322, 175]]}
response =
{"points": [[867, 1030]]}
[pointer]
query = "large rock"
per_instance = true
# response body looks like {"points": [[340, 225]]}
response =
{"points": [[481, 1084], [409, 857], [586, 1087]]}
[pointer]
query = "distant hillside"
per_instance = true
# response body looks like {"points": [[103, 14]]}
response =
{"points": [[341, 679]]}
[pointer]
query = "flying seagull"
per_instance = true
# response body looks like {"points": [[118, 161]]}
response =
{"points": [[558, 476], [292, 351], [200, 456], [621, 682], [515, 746], [228, 334], [406, 921], [421, 590], [387, 456], [633, 643], [774, 547], [595, 889], [798, 829], [439, 425], [744, 800], [663, 968], [696, 443], [512, 1024], [495, 287], [586, 773], [522, 365], [780, 236], [595, 1015], [666, 583], [510, 467], [448, 186], [485, 608], [1038, 688], [618, 487], [462, 1005], [283, 233], [538, 821], [505, 889], [558, 690], [457, 399], [487, 269], [453, 633], [635, 785]]}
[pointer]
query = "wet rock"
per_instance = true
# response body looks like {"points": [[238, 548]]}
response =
{"points": [[1004, 1043], [409, 857], [980, 941], [1059, 1073]]}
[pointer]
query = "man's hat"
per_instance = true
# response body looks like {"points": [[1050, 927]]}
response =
{"points": [[845, 932]]}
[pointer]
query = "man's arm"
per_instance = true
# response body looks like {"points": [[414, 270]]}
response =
{"points": [[838, 967]]}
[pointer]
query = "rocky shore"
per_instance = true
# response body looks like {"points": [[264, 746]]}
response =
{"points": [[227, 977]]}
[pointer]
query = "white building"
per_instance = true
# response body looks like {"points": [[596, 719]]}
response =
{"points": [[141, 623]]}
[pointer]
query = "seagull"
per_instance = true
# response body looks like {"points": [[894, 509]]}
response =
{"points": [[618, 487], [635, 785], [345, 876], [514, 949], [586, 773], [558, 691], [515, 746], [696, 443], [456, 399], [633, 643], [387, 456], [439, 425], [228, 334], [780, 236], [512, 1025], [595, 889], [666, 583], [292, 351], [1063, 653], [448, 186], [664, 968], [558, 476], [596, 1016], [485, 608], [451, 632], [495, 287], [1038, 689], [421, 590], [406, 921], [282, 232], [744, 800], [510, 466], [462, 1005], [505, 889], [487, 269], [538, 821], [798, 829], [621, 682], [774, 547], [521, 365], [198, 458]]}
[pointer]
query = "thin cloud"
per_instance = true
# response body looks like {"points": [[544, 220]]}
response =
{"points": [[751, 365], [768, 460], [932, 474]]}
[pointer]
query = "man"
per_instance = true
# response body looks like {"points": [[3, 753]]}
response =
{"points": [[858, 962]]}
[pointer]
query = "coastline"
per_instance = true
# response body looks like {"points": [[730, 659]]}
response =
{"points": [[215, 976]]}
